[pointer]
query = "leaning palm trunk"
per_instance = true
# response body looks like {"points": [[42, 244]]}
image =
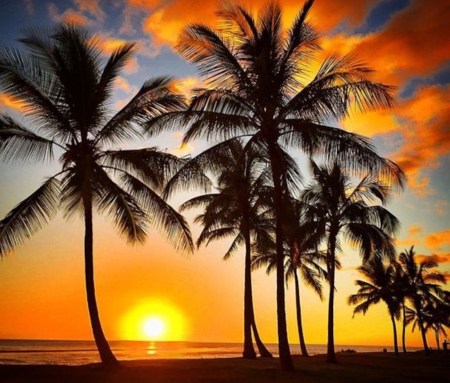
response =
{"points": [[106, 355], [394, 328], [286, 363], [263, 351], [298, 308]]}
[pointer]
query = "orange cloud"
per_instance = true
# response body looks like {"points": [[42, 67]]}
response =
{"points": [[123, 84], [182, 149], [438, 258], [187, 84], [438, 240], [425, 119], [413, 43], [412, 240], [166, 23], [446, 276], [11, 102]]}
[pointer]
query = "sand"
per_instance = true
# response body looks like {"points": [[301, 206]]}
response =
{"points": [[352, 368]]}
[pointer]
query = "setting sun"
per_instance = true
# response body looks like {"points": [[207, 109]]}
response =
{"points": [[154, 328], [154, 319]]}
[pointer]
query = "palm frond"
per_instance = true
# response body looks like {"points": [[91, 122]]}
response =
{"points": [[29, 216], [18, 143]]}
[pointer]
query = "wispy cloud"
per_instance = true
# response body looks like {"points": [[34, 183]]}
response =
{"points": [[437, 240]]}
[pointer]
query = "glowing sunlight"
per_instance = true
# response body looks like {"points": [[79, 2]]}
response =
{"points": [[154, 328], [153, 320]]}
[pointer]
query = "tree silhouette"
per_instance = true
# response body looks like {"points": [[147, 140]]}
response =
{"points": [[66, 84], [423, 288], [378, 286], [235, 211], [336, 207], [254, 71], [299, 259]]}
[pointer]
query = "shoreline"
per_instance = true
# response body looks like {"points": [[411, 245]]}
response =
{"points": [[351, 367]]}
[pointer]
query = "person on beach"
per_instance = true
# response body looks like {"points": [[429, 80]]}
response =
{"points": [[445, 345]]}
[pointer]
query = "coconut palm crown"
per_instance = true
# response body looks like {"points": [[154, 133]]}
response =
{"points": [[65, 84]]}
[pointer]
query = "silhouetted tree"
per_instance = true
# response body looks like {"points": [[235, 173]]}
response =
{"points": [[337, 207], [379, 285], [299, 259], [254, 71], [66, 84], [422, 288], [233, 211]]}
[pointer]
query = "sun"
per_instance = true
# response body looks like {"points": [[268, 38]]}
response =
{"points": [[154, 328], [153, 319]]}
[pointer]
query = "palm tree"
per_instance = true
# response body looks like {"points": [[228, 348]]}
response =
{"points": [[233, 211], [253, 70], [436, 318], [337, 207], [378, 286], [310, 271], [422, 287], [66, 84]]}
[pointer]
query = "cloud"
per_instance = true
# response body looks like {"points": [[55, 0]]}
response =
{"points": [[438, 258], [425, 120], [182, 149], [441, 207], [412, 239], [123, 84], [166, 23], [413, 43], [446, 276], [187, 84], [437, 240], [91, 7], [132, 9], [69, 15], [7, 101]]}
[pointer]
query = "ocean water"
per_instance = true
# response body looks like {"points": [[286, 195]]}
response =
{"points": [[85, 352]]}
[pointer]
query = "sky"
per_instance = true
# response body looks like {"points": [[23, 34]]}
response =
{"points": [[199, 297]]}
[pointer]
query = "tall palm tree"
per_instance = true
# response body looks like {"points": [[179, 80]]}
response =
{"points": [[379, 285], [423, 286], [254, 71], [337, 207], [66, 84], [235, 210]]}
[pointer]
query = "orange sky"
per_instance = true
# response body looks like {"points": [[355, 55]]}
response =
{"points": [[201, 296]]}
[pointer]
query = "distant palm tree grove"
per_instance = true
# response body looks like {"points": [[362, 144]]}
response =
{"points": [[264, 122]]}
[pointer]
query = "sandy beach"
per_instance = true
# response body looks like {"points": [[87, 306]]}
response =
{"points": [[355, 368]]}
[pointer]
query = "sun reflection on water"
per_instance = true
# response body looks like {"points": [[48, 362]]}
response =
{"points": [[151, 349]]}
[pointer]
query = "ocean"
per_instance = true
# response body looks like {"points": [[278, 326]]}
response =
{"points": [[85, 352]]}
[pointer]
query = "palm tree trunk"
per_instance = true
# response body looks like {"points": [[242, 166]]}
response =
{"points": [[418, 307], [298, 308], [438, 342], [331, 266], [263, 351], [286, 363], [249, 351], [107, 357], [424, 337], [395, 335], [404, 328]]}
